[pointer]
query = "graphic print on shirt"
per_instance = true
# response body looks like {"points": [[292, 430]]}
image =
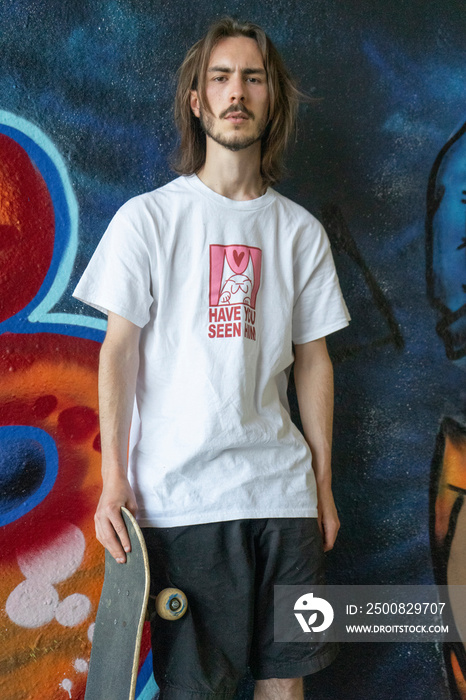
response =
{"points": [[235, 273]]}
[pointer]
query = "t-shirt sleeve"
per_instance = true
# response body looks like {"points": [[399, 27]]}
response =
{"points": [[118, 276], [319, 307]]}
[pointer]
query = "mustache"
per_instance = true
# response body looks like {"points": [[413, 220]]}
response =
{"points": [[237, 108]]}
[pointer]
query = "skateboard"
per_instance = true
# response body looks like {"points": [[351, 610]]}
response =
{"points": [[124, 606]]}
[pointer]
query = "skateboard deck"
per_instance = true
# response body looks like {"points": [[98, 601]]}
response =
{"points": [[116, 643]]}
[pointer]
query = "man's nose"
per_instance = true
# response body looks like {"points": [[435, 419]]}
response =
{"points": [[236, 88]]}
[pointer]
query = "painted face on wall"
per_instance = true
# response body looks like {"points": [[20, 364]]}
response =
{"points": [[237, 94]]}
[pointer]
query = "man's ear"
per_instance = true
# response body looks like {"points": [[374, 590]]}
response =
{"points": [[194, 102]]}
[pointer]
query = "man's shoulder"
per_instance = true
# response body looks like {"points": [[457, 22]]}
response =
{"points": [[297, 212], [156, 196]]}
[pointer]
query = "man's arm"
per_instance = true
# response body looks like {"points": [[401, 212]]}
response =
{"points": [[313, 374], [118, 368]]}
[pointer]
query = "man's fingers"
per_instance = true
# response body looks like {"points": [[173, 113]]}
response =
{"points": [[326, 537], [330, 532], [122, 532], [112, 534]]}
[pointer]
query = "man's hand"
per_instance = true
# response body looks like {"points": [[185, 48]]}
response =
{"points": [[108, 519], [327, 518]]}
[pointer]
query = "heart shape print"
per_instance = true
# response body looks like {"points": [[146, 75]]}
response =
{"points": [[238, 257]]}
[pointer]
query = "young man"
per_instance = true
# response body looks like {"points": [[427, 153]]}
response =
{"points": [[207, 283]]}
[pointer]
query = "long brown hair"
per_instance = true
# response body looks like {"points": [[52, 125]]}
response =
{"points": [[283, 97]]}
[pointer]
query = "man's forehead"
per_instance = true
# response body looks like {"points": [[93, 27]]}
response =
{"points": [[238, 49]]}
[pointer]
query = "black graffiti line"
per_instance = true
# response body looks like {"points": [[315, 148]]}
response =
{"points": [[433, 200], [456, 488], [341, 237]]}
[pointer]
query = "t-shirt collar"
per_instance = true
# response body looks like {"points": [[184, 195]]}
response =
{"points": [[249, 204]]}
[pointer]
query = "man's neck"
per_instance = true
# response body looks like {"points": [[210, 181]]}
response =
{"points": [[233, 174]]}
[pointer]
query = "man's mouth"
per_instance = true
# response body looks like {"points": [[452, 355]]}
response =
{"points": [[236, 114], [236, 117]]}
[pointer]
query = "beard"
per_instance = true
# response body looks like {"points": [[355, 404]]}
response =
{"points": [[235, 141]]}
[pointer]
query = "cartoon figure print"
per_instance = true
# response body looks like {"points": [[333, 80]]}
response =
{"points": [[237, 289], [235, 273]]}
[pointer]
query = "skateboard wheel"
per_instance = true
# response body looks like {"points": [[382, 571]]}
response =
{"points": [[171, 604]]}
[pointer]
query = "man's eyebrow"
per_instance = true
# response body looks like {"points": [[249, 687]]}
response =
{"points": [[245, 71], [248, 71]]}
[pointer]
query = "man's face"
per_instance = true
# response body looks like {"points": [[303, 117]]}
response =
{"points": [[237, 94]]}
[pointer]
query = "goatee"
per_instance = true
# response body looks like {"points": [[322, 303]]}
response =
{"points": [[238, 144]]}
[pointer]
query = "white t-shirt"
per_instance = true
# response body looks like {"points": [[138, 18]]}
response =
{"points": [[220, 289]]}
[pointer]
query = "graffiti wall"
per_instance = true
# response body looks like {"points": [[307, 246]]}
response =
{"points": [[86, 95]]}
